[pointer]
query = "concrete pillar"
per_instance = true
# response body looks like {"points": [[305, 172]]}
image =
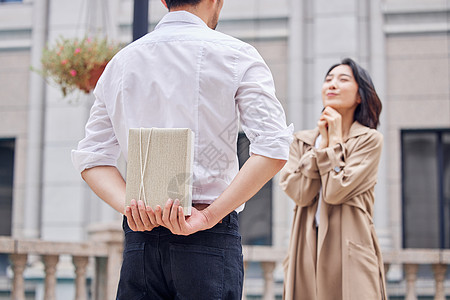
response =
{"points": [[50, 263], [80, 263], [68, 204], [269, 286], [439, 276], [244, 292], [112, 235], [36, 117], [19, 262], [378, 72], [411, 277], [295, 108]]}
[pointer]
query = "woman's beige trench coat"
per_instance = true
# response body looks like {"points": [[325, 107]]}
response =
{"points": [[344, 262]]}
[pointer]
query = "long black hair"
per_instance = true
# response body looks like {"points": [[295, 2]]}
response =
{"points": [[368, 111]]}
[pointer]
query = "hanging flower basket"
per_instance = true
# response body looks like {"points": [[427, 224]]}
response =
{"points": [[91, 80], [77, 63]]}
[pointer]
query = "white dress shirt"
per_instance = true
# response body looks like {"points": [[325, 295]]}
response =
{"points": [[186, 75]]}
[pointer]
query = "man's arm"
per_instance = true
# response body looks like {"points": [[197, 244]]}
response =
{"points": [[256, 172], [108, 184]]}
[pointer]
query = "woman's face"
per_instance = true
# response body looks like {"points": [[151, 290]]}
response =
{"points": [[340, 90]]}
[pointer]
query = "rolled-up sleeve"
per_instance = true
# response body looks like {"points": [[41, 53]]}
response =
{"points": [[262, 117], [100, 146]]}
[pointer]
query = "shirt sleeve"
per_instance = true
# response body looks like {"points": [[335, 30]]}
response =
{"points": [[261, 114], [99, 146]]}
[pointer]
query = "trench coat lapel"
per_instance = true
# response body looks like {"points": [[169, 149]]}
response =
{"points": [[356, 130]]}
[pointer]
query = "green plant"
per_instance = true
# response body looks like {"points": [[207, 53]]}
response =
{"points": [[77, 63]]}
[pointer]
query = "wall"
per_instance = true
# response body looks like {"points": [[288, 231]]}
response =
{"points": [[15, 32], [417, 47]]}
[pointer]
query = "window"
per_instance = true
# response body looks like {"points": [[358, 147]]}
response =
{"points": [[6, 193], [426, 188], [255, 222], [1, 1], [6, 184]]}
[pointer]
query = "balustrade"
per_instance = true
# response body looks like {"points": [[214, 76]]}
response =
{"points": [[105, 251]]}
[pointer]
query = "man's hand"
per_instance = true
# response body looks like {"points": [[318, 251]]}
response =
{"points": [[256, 171], [172, 217], [140, 217]]}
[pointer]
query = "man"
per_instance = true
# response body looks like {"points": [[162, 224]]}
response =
{"points": [[186, 75]]}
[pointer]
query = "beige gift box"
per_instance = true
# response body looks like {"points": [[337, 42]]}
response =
{"points": [[160, 165]]}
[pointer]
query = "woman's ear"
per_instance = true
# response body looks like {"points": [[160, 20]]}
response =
{"points": [[358, 99], [358, 96]]}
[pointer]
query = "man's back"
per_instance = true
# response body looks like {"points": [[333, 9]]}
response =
{"points": [[186, 75]]}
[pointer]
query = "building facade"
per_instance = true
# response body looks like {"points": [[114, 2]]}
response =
{"points": [[404, 44]]}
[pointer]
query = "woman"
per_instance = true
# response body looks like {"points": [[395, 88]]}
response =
{"points": [[331, 174]]}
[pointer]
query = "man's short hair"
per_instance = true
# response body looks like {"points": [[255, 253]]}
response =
{"points": [[177, 3]]}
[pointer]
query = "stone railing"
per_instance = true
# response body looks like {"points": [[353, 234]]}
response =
{"points": [[106, 253], [104, 248], [410, 259], [269, 258]]}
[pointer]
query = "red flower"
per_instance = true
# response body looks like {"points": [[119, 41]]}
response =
{"points": [[78, 50], [65, 61], [73, 73]]}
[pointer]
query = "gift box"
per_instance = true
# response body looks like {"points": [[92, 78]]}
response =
{"points": [[160, 166]]}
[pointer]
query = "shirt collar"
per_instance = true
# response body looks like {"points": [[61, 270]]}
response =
{"points": [[181, 16]]}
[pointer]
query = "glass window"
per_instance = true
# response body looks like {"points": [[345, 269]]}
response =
{"points": [[6, 193], [446, 187], [255, 222], [6, 185], [10, 1], [425, 188]]}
